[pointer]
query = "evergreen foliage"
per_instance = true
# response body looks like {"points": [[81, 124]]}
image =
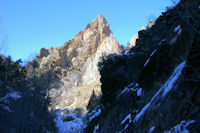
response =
{"points": [[29, 113]]}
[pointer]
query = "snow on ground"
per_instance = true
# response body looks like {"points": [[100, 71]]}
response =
{"points": [[139, 92], [181, 127], [149, 57], [173, 78], [152, 129], [71, 122], [127, 120], [126, 89], [136, 84], [94, 114], [166, 88], [131, 87], [6, 108], [14, 95], [178, 29], [96, 128], [161, 92], [141, 113], [74, 125], [128, 117]]}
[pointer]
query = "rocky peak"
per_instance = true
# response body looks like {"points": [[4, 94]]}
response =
{"points": [[101, 24], [99, 28], [74, 65]]}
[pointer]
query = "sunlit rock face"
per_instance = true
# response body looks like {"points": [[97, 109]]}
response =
{"points": [[74, 65]]}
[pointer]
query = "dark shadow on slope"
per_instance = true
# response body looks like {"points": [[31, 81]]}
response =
{"points": [[29, 111]]}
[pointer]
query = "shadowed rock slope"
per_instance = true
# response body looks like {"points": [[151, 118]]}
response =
{"points": [[155, 86]]}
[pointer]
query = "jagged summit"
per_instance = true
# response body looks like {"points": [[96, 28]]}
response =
{"points": [[98, 22], [72, 68], [152, 88], [98, 26], [94, 34], [100, 19]]}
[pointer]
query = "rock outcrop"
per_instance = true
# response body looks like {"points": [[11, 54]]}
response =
{"points": [[73, 66], [152, 87], [133, 40]]}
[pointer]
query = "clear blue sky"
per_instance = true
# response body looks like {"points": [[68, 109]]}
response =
{"points": [[33, 24]]}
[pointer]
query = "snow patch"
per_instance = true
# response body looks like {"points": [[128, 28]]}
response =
{"points": [[181, 128], [166, 88], [150, 57], [96, 128], [152, 129], [153, 52], [173, 78], [142, 112], [13, 95], [131, 87], [6, 108], [128, 120], [146, 62], [178, 29], [64, 126], [71, 122], [126, 89], [139, 92], [128, 117], [136, 84], [95, 114]]}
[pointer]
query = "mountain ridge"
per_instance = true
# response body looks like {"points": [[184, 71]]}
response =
{"points": [[89, 84], [72, 69]]}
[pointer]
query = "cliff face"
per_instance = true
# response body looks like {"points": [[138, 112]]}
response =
{"points": [[71, 70], [155, 86], [75, 63]]}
